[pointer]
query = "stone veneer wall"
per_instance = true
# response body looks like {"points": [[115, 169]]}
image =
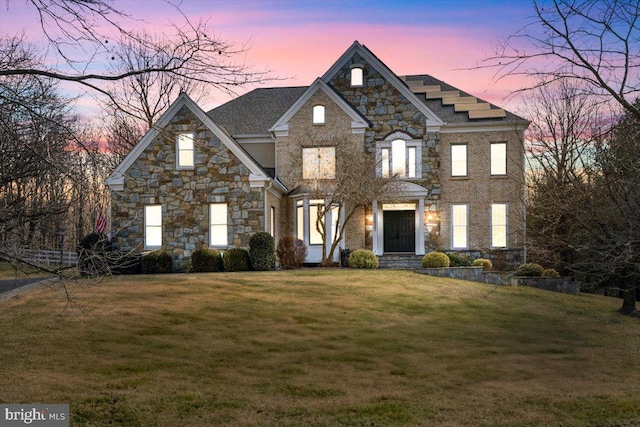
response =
{"points": [[218, 176], [390, 111]]}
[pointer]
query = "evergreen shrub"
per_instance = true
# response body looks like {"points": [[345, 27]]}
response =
{"points": [[262, 252], [363, 258], [206, 260], [157, 262], [236, 259], [435, 260]]}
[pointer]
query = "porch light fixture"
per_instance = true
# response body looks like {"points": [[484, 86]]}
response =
{"points": [[431, 223]]}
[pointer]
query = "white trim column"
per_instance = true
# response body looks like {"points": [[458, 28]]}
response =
{"points": [[378, 236], [420, 227]]}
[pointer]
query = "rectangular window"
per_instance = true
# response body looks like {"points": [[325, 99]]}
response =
{"points": [[385, 162], [300, 220], [218, 235], [319, 163], [318, 114], [273, 221], [152, 226], [459, 226], [184, 149], [315, 207], [498, 158], [499, 225], [411, 162], [459, 160]]}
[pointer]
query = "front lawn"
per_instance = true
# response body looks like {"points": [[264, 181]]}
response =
{"points": [[322, 348]]}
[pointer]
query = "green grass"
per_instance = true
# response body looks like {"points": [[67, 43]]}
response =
{"points": [[322, 348]]}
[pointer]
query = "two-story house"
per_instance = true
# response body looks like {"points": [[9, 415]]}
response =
{"points": [[213, 179]]}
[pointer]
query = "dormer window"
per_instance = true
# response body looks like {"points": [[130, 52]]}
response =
{"points": [[184, 151], [357, 77], [318, 114]]}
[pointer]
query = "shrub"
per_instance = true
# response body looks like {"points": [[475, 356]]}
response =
{"points": [[291, 252], [550, 272], [157, 262], [435, 260], [530, 269], [125, 262], [236, 259], [206, 260], [458, 260], [482, 262], [93, 251], [262, 252], [363, 258]]}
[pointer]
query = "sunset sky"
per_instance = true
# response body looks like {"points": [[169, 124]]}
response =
{"points": [[300, 40]]}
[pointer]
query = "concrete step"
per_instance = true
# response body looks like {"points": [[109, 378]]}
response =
{"points": [[400, 261]]}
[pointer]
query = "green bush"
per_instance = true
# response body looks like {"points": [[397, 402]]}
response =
{"points": [[482, 262], [458, 259], [530, 269], [236, 259], [206, 261], [157, 262], [435, 260], [363, 258], [291, 252], [550, 272], [262, 252]]}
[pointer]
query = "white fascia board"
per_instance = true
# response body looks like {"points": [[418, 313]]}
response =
{"points": [[432, 120], [182, 100], [281, 127], [259, 181], [517, 126]]}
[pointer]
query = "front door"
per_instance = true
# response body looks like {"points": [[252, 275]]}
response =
{"points": [[399, 231]]}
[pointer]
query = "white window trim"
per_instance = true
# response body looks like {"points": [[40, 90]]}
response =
{"points": [[466, 166], [218, 224], [146, 226], [409, 143], [192, 151], [318, 115], [506, 225], [491, 164], [452, 226]]}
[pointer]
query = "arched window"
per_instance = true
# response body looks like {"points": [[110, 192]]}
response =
{"points": [[357, 77], [318, 114], [400, 156]]}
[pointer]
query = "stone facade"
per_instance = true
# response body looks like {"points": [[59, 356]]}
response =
{"points": [[185, 194]]}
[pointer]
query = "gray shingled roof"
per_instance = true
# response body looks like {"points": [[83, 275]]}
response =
{"points": [[255, 112]]}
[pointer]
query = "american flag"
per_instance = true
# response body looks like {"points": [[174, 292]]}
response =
{"points": [[101, 223]]}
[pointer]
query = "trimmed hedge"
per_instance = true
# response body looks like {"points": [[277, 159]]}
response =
{"points": [[435, 260], [236, 259], [482, 262], [291, 252], [530, 269], [206, 261], [262, 252], [363, 258], [458, 259], [157, 262]]}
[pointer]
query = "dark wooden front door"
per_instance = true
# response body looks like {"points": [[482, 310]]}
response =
{"points": [[399, 231]]}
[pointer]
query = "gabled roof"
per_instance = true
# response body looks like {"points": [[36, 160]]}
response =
{"points": [[432, 119], [116, 178], [255, 112], [358, 122]]}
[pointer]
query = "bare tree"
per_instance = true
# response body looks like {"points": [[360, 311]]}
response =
{"points": [[593, 42], [80, 35]]}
